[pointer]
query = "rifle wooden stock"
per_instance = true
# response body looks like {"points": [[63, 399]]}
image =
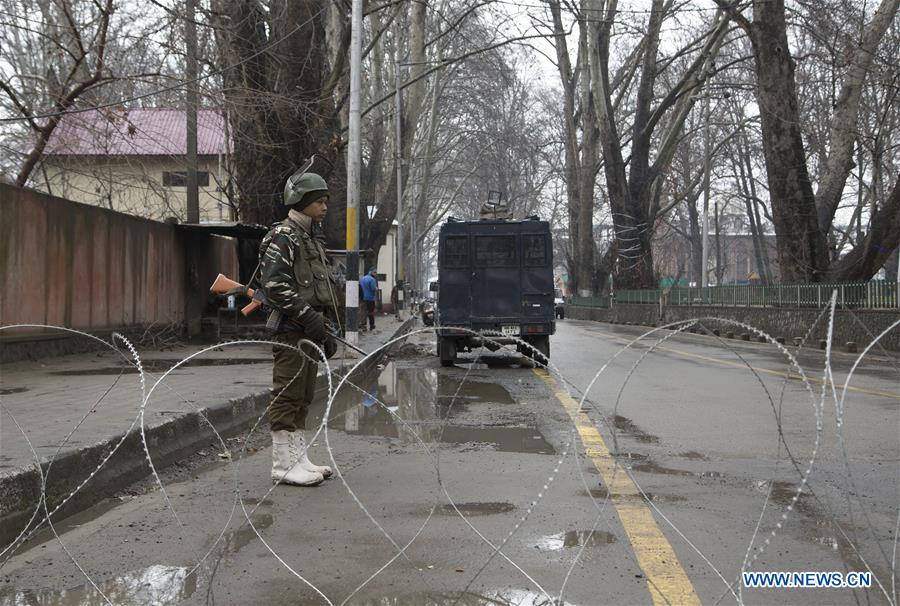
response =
{"points": [[223, 285]]}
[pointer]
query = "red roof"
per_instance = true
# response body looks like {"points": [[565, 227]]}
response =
{"points": [[136, 132]]}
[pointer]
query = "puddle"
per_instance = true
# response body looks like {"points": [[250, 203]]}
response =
{"points": [[153, 585], [423, 398], [160, 365], [600, 494], [492, 597], [576, 538], [475, 509], [473, 390], [626, 425], [694, 455], [504, 439], [11, 390], [483, 362]]}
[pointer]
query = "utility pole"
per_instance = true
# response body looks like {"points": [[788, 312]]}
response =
{"points": [[414, 249], [190, 34], [704, 256], [353, 161], [398, 162]]}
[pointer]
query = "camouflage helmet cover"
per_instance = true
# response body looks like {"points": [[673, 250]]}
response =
{"points": [[299, 185]]}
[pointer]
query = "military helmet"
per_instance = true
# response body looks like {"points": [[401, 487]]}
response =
{"points": [[303, 188]]}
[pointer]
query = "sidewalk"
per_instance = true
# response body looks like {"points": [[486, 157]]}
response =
{"points": [[96, 397]]}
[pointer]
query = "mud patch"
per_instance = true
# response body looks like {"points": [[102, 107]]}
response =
{"points": [[475, 509], [813, 525], [243, 536], [601, 494], [69, 523], [11, 390], [649, 466], [630, 456], [159, 365], [627, 426]]}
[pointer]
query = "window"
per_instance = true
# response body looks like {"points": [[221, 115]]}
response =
{"points": [[179, 178], [534, 247], [495, 251], [456, 251]]}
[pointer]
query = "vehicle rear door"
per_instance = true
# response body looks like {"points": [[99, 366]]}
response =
{"points": [[537, 276], [496, 293], [455, 294]]}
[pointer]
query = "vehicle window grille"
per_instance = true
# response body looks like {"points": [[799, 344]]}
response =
{"points": [[495, 251], [456, 251], [534, 248]]}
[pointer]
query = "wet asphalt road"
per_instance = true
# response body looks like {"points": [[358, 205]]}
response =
{"points": [[715, 438]]}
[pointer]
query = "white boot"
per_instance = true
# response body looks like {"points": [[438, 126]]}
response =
{"points": [[285, 469], [303, 459]]}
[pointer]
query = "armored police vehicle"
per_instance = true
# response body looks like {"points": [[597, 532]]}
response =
{"points": [[495, 277]]}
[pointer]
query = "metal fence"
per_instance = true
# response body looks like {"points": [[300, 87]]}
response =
{"points": [[589, 301], [875, 294]]}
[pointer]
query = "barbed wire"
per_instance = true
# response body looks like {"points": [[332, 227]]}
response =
{"points": [[647, 344]]}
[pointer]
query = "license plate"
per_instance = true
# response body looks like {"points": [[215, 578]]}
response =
{"points": [[510, 330]]}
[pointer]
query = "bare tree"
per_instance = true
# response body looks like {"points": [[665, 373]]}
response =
{"points": [[797, 207], [59, 58]]}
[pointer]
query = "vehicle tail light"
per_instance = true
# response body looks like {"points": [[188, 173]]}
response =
{"points": [[532, 328]]}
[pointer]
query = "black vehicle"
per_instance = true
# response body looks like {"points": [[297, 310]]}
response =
{"points": [[495, 277], [560, 304]]}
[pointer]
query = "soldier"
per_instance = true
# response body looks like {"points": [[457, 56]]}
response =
{"points": [[296, 281]]}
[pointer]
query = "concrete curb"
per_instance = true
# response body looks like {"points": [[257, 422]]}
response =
{"points": [[169, 441]]}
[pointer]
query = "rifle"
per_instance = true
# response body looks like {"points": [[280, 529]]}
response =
{"points": [[223, 285], [226, 286]]}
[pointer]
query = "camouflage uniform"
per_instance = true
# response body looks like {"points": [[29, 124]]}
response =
{"points": [[294, 277]]}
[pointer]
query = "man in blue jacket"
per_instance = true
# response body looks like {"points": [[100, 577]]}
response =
{"points": [[369, 285]]}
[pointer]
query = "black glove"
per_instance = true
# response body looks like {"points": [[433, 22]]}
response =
{"points": [[330, 347], [313, 324]]}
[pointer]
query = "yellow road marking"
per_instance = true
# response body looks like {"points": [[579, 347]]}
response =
{"points": [[666, 579], [768, 371]]}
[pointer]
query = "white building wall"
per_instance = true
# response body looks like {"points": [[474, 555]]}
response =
{"points": [[387, 265], [133, 186]]}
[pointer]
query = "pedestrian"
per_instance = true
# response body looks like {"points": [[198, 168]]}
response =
{"points": [[395, 303], [369, 285], [295, 278]]}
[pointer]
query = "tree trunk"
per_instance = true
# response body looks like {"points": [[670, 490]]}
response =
{"points": [[585, 247], [802, 251]]}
